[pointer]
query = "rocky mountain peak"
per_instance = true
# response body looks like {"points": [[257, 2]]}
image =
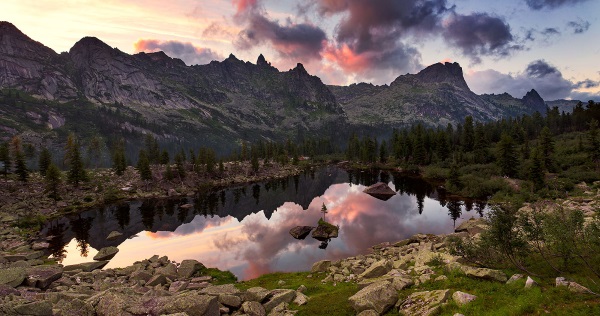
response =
{"points": [[300, 70], [534, 101], [89, 43], [163, 59], [261, 61], [443, 73], [14, 42]]}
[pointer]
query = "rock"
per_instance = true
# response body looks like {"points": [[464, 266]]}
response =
{"points": [[380, 191], [400, 283], [106, 253], [281, 310], [377, 269], [221, 290], [42, 276], [6, 290], [578, 288], [75, 307], [178, 286], [301, 289], [281, 283], [300, 299], [379, 296], [40, 245], [462, 298], [230, 300], [325, 231], [188, 268], [560, 281], [300, 232], [156, 280], [192, 304], [320, 266], [485, 274], [141, 275], [204, 278], [530, 283], [113, 235], [39, 308], [186, 206], [368, 312], [252, 308], [514, 278], [277, 297], [472, 226], [86, 267], [12, 276], [169, 270], [172, 192], [441, 278], [256, 294], [424, 303]]}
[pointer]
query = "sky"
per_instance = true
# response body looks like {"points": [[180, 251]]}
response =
{"points": [[503, 46]]}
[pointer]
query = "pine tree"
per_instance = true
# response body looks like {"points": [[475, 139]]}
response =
{"points": [[536, 168], [21, 167], [5, 158], [211, 160], [76, 172], [547, 148], [143, 166], [164, 157], [593, 146], [180, 163], [53, 178], [119, 163], [506, 157], [454, 183], [169, 173], [254, 161], [324, 211], [383, 152], [468, 137], [221, 167], [45, 160]]}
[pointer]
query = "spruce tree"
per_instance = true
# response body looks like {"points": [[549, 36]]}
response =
{"points": [[536, 168], [119, 163], [164, 157], [468, 137], [5, 158], [20, 166], [76, 173], [454, 178], [180, 162], [52, 179], [143, 166], [593, 146], [547, 149], [45, 160], [383, 152], [506, 157], [254, 162]]}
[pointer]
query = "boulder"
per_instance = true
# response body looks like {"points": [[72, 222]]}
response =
{"points": [[114, 235], [462, 298], [302, 288], [252, 308], [188, 268], [377, 269], [86, 267], [325, 231], [141, 275], [230, 300], [277, 297], [424, 303], [106, 253], [530, 283], [221, 290], [380, 191], [320, 266], [300, 299], [379, 296], [368, 312], [74, 307], [42, 276], [255, 294], [156, 280], [6, 290], [178, 286], [300, 232], [36, 308], [485, 274], [472, 226], [12, 276], [514, 278], [192, 304]]}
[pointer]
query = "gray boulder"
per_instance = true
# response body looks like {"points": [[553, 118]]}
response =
{"points": [[530, 283], [113, 235], [192, 304], [462, 298], [37, 308], [379, 296], [106, 253], [221, 290], [253, 308], [514, 278], [380, 191], [320, 266], [42, 276], [377, 269], [300, 232], [188, 268], [424, 303], [277, 297], [12, 276], [86, 267], [485, 274], [255, 294]]}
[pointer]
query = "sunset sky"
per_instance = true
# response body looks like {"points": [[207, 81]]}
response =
{"points": [[503, 46]]}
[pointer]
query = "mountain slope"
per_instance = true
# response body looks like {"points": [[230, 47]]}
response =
{"points": [[437, 95]]}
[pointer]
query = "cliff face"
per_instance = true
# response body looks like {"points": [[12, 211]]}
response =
{"points": [[226, 101]]}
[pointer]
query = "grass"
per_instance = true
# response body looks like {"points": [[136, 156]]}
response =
{"points": [[324, 299]]}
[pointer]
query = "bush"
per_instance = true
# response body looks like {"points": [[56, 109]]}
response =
{"points": [[478, 187], [434, 172]]}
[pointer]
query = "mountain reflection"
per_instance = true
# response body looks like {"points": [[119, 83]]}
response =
{"points": [[246, 229]]}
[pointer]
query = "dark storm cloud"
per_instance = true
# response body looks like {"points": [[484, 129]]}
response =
{"points": [[579, 27], [291, 40], [551, 4], [540, 68], [546, 79], [480, 34], [185, 51]]}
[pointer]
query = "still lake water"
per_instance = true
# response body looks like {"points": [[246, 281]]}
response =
{"points": [[246, 229]]}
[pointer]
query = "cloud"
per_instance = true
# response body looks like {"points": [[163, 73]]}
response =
{"points": [[551, 4], [579, 27], [549, 31], [480, 34], [546, 79], [185, 51]]}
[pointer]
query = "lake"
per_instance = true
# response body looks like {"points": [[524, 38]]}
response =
{"points": [[245, 229]]}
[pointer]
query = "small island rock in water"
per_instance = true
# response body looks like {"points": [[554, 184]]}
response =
{"points": [[380, 191]]}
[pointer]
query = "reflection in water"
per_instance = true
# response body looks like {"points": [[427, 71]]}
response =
{"points": [[246, 229]]}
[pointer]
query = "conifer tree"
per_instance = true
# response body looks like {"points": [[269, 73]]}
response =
{"points": [[221, 167], [180, 162], [383, 152], [143, 166], [324, 211], [169, 173], [454, 179], [45, 160], [468, 137], [254, 161], [119, 163], [506, 157], [21, 167], [76, 173], [52, 179], [164, 157], [536, 168], [593, 146], [5, 158], [547, 149]]}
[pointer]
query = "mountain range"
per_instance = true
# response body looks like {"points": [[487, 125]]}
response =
{"points": [[96, 89]]}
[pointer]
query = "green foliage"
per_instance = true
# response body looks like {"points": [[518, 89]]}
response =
{"points": [[53, 179], [5, 158], [31, 221], [453, 183], [76, 172], [143, 166], [506, 157], [21, 167], [593, 147], [169, 176], [44, 161], [118, 157], [536, 169]]}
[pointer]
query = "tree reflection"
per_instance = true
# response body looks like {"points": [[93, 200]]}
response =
{"points": [[147, 213], [56, 244], [256, 193], [454, 210], [81, 228], [121, 213]]}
